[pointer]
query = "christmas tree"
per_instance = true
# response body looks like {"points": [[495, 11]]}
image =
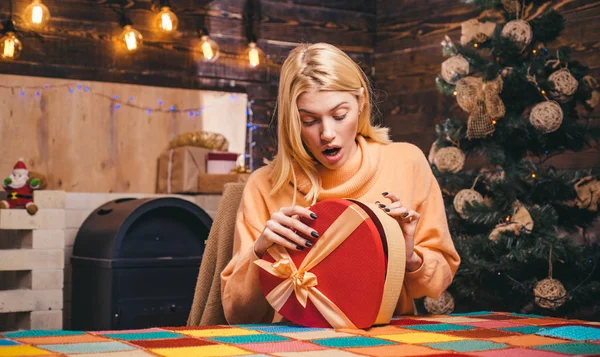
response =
{"points": [[517, 221]]}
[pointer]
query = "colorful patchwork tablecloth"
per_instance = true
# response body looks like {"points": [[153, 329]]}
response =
{"points": [[473, 334]]}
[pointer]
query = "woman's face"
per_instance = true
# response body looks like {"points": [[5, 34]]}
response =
{"points": [[329, 125]]}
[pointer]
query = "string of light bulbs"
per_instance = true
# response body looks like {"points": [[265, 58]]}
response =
{"points": [[37, 15]]}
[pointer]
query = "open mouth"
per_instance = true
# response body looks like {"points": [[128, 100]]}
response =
{"points": [[331, 152]]}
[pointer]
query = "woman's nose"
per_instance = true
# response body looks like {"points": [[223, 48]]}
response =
{"points": [[328, 132]]}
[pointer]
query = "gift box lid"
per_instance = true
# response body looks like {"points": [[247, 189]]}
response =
{"points": [[222, 156], [350, 278]]}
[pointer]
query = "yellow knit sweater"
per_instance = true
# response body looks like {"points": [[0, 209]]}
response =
{"points": [[399, 168]]}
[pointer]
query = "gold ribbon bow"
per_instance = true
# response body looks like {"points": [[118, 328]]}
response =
{"points": [[303, 283], [203, 139], [482, 101]]}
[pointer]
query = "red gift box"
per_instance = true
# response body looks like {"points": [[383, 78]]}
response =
{"points": [[350, 278], [219, 162]]}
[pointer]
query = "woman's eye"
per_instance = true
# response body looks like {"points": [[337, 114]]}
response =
{"points": [[339, 117], [308, 123]]}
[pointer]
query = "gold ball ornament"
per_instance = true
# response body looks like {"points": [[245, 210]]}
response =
{"points": [[454, 67], [464, 196], [549, 294], [519, 31], [443, 305], [565, 85], [546, 117], [450, 159]]}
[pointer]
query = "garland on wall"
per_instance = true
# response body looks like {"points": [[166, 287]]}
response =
{"points": [[129, 101]]}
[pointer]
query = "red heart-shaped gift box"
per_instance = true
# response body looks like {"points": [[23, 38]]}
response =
{"points": [[350, 278]]}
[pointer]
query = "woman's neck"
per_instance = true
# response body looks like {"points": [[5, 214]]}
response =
{"points": [[333, 177]]}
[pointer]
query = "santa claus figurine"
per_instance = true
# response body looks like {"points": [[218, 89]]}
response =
{"points": [[19, 189]]}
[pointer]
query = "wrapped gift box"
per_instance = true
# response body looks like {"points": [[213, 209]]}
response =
{"points": [[208, 183], [185, 170], [351, 277], [180, 168], [219, 162]]}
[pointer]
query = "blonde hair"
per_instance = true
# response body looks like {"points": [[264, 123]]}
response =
{"points": [[322, 67]]}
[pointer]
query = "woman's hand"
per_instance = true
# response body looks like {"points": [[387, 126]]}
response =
{"points": [[282, 229], [407, 219]]}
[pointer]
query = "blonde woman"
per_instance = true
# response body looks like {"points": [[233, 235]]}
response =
{"points": [[328, 148]]}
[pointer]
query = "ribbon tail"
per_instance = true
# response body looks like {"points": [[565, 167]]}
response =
{"points": [[301, 295], [278, 296], [334, 316]]}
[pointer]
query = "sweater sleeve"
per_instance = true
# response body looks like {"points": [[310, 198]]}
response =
{"points": [[242, 298], [433, 242]]}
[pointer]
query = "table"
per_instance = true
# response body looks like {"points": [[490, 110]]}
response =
{"points": [[474, 334]]}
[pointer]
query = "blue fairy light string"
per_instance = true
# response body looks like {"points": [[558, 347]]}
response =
{"points": [[118, 101]]}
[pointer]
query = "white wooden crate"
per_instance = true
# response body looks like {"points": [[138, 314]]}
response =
{"points": [[32, 265], [32, 320], [43, 219]]}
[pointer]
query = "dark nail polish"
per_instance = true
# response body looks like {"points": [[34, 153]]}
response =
{"points": [[385, 194], [313, 216], [308, 244], [387, 209], [405, 215], [314, 234], [381, 205], [299, 247]]}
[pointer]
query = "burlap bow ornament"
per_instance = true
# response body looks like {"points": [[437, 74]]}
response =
{"points": [[520, 221], [588, 194], [482, 101]]}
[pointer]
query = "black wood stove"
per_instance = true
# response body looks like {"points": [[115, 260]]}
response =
{"points": [[135, 264]]}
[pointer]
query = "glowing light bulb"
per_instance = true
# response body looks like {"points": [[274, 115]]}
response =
{"points": [[36, 14], [10, 46], [167, 24], [254, 55], [166, 20], [209, 49], [132, 38]]}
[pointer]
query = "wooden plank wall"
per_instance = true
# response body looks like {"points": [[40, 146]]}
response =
{"points": [[409, 55], [89, 141], [79, 43]]}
